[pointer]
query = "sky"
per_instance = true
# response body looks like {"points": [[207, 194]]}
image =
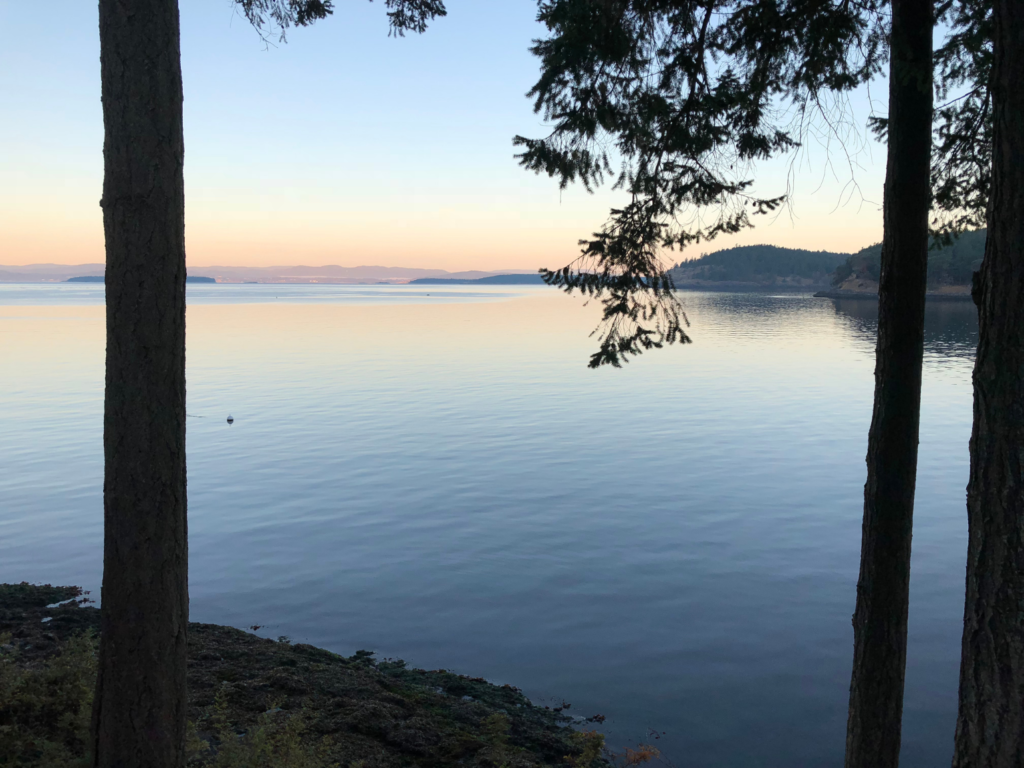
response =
{"points": [[344, 146]]}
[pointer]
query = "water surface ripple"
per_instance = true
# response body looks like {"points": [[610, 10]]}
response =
{"points": [[436, 475]]}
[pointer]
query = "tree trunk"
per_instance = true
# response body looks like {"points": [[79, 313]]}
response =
{"points": [[990, 723], [139, 709], [880, 621]]}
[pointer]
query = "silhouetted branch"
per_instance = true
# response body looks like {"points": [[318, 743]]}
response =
{"points": [[279, 15], [620, 267], [683, 96], [962, 152]]}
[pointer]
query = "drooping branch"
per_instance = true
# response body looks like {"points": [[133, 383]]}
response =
{"points": [[682, 96], [962, 154], [270, 16], [620, 268]]}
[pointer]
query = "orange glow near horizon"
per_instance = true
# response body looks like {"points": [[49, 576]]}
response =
{"points": [[436, 240], [291, 159]]}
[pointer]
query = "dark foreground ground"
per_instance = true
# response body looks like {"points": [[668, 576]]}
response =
{"points": [[256, 702]]}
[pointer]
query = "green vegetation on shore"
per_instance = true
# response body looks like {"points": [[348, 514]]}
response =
{"points": [[772, 266], [257, 703], [953, 264], [759, 264]]}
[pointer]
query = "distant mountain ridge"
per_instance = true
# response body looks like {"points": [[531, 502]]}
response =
{"points": [[330, 273], [747, 267], [47, 273]]}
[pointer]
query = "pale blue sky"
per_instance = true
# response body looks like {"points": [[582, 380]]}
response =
{"points": [[342, 146]]}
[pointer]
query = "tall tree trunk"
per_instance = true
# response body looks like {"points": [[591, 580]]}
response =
{"points": [[990, 723], [139, 709], [883, 588]]}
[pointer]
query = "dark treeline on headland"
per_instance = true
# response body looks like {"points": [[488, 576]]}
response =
{"points": [[771, 266], [952, 264], [760, 263]]}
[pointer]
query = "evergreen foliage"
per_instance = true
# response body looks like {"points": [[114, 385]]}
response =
{"points": [[951, 264], [45, 708], [961, 172], [758, 263], [962, 149], [683, 97], [675, 100], [405, 15]]}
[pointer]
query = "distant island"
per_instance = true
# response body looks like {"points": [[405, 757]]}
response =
{"points": [[742, 268], [290, 274], [101, 279], [527, 279]]}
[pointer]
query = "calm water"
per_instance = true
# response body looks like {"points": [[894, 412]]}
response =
{"points": [[436, 475]]}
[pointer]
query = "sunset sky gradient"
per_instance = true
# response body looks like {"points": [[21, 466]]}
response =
{"points": [[347, 147]]}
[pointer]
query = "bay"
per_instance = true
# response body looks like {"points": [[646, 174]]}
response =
{"points": [[434, 474]]}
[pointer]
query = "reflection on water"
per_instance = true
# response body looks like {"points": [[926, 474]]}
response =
{"points": [[673, 545], [951, 327], [65, 294]]}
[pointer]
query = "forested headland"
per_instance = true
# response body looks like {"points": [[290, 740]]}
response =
{"points": [[770, 267], [949, 266], [767, 265]]}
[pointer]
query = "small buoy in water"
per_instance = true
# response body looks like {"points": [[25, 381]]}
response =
{"points": [[231, 419]]}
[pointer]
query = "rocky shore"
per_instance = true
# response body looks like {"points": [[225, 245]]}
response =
{"points": [[930, 296], [331, 710], [868, 289]]}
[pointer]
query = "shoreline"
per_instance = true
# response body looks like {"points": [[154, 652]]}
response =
{"points": [[354, 710], [864, 295]]}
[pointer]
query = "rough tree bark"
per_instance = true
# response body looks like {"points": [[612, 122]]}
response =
{"points": [[990, 723], [139, 709], [880, 621]]}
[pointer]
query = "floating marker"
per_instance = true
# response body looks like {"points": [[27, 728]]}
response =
{"points": [[231, 419]]}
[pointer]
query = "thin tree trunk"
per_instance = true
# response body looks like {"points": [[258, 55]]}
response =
{"points": [[880, 621], [990, 723], [139, 709]]}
